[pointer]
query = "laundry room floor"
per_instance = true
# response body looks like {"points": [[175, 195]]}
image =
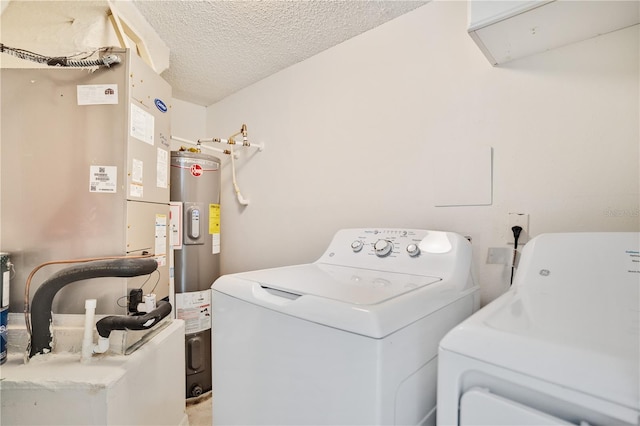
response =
{"points": [[199, 410]]}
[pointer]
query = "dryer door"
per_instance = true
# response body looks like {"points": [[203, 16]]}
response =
{"points": [[478, 406]]}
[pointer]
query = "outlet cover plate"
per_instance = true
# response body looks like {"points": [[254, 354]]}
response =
{"points": [[521, 220]]}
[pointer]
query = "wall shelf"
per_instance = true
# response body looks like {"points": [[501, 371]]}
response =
{"points": [[507, 30]]}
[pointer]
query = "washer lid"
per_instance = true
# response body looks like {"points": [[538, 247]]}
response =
{"points": [[571, 318], [340, 283], [371, 303]]}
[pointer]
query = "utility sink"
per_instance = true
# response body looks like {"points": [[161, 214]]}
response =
{"points": [[140, 380]]}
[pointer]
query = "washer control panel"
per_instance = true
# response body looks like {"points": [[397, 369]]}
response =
{"points": [[384, 243], [391, 249]]}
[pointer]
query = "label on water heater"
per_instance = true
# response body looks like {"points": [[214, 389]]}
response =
{"points": [[214, 218], [5, 288], [196, 170], [214, 227], [195, 309], [215, 244]]}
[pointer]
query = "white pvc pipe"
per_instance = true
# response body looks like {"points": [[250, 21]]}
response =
{"points": [[102, 346], [259, 145], [89, 324]]}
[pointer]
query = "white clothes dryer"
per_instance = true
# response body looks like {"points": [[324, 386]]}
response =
{"points": [[560, 347], [350, 339]]}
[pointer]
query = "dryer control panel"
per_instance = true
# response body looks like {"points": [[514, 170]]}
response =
{"points": [[412, 251]]}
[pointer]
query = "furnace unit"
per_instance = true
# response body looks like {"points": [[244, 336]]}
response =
{"points": [[195, 198], [85, 173]]}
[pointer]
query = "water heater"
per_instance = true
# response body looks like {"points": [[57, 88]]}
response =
{"points": [[195, 237]]}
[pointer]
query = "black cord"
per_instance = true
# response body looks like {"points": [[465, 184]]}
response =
{"points": [[516, 234], [76, 60], [119, 299], [148, 278], [157, 281]]}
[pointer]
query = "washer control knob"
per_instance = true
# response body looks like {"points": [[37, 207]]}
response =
{"points": [[382, 247], [356, 246], [413, 250]]}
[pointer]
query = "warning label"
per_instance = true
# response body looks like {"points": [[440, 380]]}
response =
{"points": [[214, 218], [195, 309]]}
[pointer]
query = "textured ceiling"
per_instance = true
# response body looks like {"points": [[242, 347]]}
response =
{"points": [[219, 47]]}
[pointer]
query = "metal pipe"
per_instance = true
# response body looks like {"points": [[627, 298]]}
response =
{"points": [[199, 146], [232, 141]]}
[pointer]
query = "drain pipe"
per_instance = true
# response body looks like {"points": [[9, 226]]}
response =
{"points": [[41, 337], [87, 341], [127, 322]]}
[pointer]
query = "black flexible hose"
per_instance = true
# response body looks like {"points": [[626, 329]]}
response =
{"points": [[516, 234], [43, 298], [127, 322]]}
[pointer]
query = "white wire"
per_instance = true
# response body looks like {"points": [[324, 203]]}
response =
{"points": [[241, 199]]}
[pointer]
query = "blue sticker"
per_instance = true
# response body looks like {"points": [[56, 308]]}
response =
{"points": [[160, 105]]}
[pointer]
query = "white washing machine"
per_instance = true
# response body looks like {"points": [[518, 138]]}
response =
{"points": [[560, 347], [350, 339]]}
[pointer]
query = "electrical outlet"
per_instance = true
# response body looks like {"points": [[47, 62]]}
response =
{"points": [[521, 220]]}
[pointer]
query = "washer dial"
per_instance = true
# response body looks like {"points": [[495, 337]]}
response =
{"points": [[382, 247], [356, 246], [413, 250]]}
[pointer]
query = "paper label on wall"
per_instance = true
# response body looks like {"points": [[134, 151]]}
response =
{"points": [[162, 163], [175, 225], [103, 179], [136, 190], [142, 124], [136, 171], [161, 234], [97, 94], [195, 309]]}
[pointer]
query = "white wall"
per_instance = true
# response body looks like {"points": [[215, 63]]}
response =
{"points": [[353, 133], [188, 121]]}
